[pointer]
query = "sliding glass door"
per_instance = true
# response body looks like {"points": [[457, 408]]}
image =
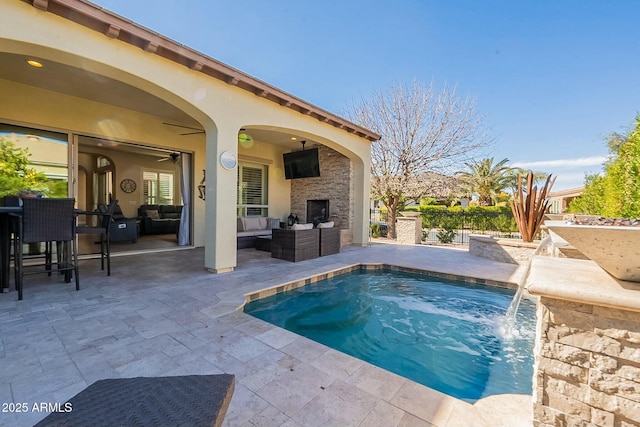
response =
{"points": [[36, 162]]}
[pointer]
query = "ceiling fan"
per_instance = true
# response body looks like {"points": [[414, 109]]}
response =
{"points": [[196, 130], [173, 157]]}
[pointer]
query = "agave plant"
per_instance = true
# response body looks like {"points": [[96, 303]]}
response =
{"points": [[529, 206]]}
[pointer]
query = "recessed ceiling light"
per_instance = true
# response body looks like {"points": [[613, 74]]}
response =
{"points": [[293, 138], [34, 63]]}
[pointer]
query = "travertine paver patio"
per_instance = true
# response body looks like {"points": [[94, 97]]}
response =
{"points": [[162, 314]]}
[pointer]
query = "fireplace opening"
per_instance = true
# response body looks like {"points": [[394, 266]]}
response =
{"points": [[317, 211]]}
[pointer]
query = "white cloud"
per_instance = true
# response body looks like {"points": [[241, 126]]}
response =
{"points": [[562, 163], [569, 173]]}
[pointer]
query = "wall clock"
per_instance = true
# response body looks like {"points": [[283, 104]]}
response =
{"points": [[128, 185]]}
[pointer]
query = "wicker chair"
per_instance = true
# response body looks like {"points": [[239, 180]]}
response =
{"points": [[102, 229], [295, 245], [47, 220], [329, 241]]}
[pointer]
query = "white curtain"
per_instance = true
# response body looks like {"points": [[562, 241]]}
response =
{"points": [[185, 189]]}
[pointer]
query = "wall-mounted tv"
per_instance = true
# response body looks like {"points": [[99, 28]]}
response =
{"points": [[301, 164]]}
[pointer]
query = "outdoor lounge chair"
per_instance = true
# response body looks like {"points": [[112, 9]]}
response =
{"points": [[329, 241], [295, 245]]}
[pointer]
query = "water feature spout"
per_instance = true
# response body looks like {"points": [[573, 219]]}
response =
{"points": [[509, 322]]}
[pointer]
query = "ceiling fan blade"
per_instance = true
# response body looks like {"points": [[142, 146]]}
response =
{"points": [[192, 133], [163, 159]]}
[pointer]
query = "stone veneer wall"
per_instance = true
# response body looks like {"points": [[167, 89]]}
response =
{"points": [[335, 183], [587, 365], [511, 251]]}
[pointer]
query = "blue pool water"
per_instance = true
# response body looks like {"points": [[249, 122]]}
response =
{"points": [[444, 334]]}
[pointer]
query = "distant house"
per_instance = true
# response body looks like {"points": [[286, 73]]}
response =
{"points": [[560, 199]]}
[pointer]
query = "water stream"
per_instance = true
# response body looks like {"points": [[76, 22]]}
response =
{"points": [[509, 326]]}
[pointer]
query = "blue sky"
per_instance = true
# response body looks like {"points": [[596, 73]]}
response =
{"points": [[552, 78]]}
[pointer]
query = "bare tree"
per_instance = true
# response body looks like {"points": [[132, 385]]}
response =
{"points": [[423, 130]]}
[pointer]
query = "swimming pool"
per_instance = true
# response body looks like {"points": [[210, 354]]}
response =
{"points": [[441, 333]]}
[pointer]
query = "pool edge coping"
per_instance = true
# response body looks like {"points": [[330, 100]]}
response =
{"points": [[298, 283]]}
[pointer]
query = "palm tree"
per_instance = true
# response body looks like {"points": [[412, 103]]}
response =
{"points": [[486, 179], [539, 178]]}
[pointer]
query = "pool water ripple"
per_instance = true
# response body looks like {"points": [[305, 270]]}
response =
{"points": [[443, 334]]}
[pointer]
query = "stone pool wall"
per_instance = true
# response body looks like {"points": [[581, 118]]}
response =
{"points": [[511, 251], [587, 370]]}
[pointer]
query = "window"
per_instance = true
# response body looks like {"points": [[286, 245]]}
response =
{"points": [[157, 188], [252, 190]]}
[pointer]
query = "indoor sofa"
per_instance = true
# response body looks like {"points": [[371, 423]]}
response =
{"points": [[159, 219]]}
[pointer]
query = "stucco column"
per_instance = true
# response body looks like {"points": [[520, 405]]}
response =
{"points": [[409, 230], [361, 200], [220, 215]]}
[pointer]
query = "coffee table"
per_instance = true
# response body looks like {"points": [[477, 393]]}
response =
{"points": [[263, 243]]}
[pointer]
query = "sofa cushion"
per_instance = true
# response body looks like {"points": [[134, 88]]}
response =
{"points": [[253, 223], [328, 224], [253, 233], [302, 226], [170, 211], [262, 223], [152, 213]]}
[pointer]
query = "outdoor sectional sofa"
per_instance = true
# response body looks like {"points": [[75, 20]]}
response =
{"points": [[249, 228]]}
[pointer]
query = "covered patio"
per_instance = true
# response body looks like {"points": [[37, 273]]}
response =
{"points": [[163, 314], [142, 119]]}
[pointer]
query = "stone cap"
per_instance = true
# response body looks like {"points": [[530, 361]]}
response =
{"points": [[581, 281]]}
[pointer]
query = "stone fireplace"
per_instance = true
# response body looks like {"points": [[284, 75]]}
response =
{"points": [[317, 211], [334, 186]]}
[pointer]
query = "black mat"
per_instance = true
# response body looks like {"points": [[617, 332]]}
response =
{"points": [[193, 400]]}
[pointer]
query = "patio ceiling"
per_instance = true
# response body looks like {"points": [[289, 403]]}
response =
{"points": [[85, 84], [72, 81]]}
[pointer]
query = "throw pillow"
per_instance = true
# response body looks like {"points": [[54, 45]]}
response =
{"points": [[153, 214], [273, 223]]}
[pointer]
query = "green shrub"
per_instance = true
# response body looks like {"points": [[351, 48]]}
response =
{"points": [[446, 236]]}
